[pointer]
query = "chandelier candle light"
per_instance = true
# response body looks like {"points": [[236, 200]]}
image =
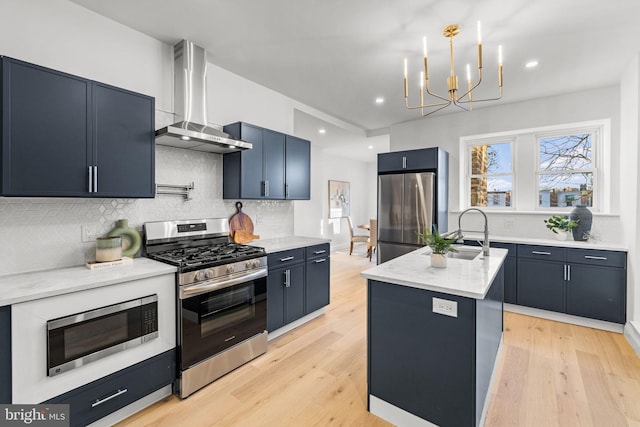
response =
{"points": [[452, 81]]}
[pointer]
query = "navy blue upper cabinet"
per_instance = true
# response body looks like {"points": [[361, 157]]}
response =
{"points": [[65, 136], [405, 161], [276, 168], [297, 169]]}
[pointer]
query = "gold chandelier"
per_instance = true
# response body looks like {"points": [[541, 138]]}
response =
{"points": [[465, 100]]}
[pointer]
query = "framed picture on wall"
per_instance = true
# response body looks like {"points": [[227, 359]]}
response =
{"points": [[339, 199]]}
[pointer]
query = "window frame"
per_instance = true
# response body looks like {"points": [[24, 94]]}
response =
{"points": [[596, 132], [525, 164], [469, 176]]}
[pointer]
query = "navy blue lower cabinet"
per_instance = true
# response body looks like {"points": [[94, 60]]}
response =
{"points": [[597, 292], [102, 397], [433, 366], [5, 354], [285, 295], [541, 284], [317, 277]]}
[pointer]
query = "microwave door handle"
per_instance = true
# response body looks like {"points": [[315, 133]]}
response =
{"points": [[214, 285]]}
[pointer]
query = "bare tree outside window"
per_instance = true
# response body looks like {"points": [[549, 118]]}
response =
{"points": [[565, 170]]}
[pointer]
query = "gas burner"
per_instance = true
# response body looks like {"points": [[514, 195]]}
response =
{"points": [[207, 255]]}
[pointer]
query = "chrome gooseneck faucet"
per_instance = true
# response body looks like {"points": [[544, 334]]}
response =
{"points": [[457, 234]]}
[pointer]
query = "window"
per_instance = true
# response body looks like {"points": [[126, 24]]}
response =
{"points": [[565, 170], [491, 174], [544, 169]]}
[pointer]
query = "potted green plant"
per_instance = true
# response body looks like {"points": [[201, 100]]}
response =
{"points": [[439, 246], [561, 226]]}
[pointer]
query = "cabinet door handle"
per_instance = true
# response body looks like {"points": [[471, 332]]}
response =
{"points": [[287, 258], [90, 169], [287, 278], [601, 258], [319, 252], [564, 270], [540, 253], [318, 261], [286, 190], [95, 179], [568, 273], [266, 188], [404, 162], [106, 399]]}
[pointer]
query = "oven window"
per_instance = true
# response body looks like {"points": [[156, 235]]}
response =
{"points": [[90, 336], [220, 311]]}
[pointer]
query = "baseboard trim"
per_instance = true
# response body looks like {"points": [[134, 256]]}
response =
{"points": [[632, 334], [291, 326], [565, 318]]}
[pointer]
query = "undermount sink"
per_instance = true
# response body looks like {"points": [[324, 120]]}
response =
{"points": [[465, 253]]}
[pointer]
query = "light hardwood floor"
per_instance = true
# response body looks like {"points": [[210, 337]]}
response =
{"points": [[549, 374]]}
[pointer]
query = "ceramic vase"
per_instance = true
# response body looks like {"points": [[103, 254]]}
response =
{"points": [[131, 238], [439, 260], [584, 217]]}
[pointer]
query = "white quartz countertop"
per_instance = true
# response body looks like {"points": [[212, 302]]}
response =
{"points": [[286, 243], [461, 277], [549, 242], [16, 288]]}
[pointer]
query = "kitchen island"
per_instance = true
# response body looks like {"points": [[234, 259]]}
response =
{"points": [[433, 338]]}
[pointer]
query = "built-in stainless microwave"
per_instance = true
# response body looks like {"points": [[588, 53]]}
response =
{"points": [[73, 341]]}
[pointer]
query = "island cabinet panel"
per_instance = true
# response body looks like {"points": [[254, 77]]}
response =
{"points": [[434, 366], [317, 277], [421, 361], [5, 354], [65, 136], [277, 167], [102, 397]]}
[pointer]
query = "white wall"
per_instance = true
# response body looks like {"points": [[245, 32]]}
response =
{"points": [[445, 131], [630, 159], [312, 217]]}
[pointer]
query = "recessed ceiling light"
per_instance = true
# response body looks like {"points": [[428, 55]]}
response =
{"points": [[185, 138], [370, 147], [531, 64], [322, 131], [379, 100]]}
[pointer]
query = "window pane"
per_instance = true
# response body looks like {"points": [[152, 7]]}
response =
{"points": [[562, 190], [569, 152], [491, 159], [492, 191]]}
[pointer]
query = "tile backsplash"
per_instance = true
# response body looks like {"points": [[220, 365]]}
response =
{"points": [[44, 233]]}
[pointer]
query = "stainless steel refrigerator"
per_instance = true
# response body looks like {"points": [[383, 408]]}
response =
{"points": [[406, 206]]}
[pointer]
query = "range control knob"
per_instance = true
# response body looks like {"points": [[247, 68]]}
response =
{"points": [[230, 269], [210, 273], [248, 265], [199, 276], [256, 263]]}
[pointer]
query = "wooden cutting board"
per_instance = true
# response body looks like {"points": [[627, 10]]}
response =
{"points": [[241, 226]]}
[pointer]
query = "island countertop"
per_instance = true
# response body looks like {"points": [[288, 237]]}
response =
{"points": [[461, 277]]}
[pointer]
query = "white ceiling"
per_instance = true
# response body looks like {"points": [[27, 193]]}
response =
{"points": [[339, 55]]}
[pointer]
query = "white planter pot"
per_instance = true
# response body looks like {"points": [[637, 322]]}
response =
{"points": [[561, 235], [439, 260]]}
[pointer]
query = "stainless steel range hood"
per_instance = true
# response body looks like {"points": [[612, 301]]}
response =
{"points": [[191, 131]]}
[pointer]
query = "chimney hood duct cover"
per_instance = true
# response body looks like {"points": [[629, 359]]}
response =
{"points": [[191, 132]]}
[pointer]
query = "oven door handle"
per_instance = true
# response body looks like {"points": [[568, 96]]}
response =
{"points": [[216, 284]]}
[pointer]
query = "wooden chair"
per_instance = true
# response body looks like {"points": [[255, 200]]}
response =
{"points": [[372, 243], [355, 237]]}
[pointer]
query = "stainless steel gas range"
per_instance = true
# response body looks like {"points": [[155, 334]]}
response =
{"points": [[221, 297]]}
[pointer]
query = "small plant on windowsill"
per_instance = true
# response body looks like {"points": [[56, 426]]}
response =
{"points": [[561, 226], [439, 246]]}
